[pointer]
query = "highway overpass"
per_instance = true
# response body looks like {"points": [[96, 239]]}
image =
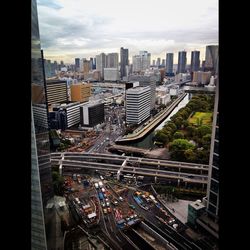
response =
{"points": [[179, 171]]}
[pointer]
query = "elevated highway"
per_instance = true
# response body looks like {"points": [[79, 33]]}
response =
{"points": [[179, 171]]}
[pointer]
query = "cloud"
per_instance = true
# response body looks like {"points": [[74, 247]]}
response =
{"points": [[80, 29]]}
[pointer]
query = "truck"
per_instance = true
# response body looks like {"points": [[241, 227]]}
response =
{"points": [[100, 184]]}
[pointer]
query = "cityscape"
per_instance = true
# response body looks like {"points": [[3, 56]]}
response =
{"points": [[125, 136]]}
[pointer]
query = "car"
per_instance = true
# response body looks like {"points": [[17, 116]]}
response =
{"points": [[105, 211], [109, 209]]}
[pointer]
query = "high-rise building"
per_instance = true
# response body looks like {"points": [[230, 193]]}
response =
{"points": [[124, 61], [91, 63], [169, 63], [41, 179], [163, 62], [77, 64], [111, 74], [57, 91], [182, 61], [141, 61], [112, 60], [86, 66], [158, 62], [210, 221], [153, 62], [137, 105], [213, 175], [201, 77], [211, 60], [80, 92], [101, 63], [195, 60], [71, 112], [92, 114]]}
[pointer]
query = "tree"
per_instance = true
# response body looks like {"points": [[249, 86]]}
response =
{"points": [[190, 131], [203, 130], [161, 137], [206, 141], [178, 147], [178, 135], [190, 155]]}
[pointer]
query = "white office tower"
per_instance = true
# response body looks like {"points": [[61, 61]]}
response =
{"points": [[137, 104], [111, 74], [141, 61], [101, 63]]}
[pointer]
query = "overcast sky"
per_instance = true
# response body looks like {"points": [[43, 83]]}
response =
{"points": [[84, 28]]}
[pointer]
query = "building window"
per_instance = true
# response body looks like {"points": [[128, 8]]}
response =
{"points": [[212, 209], [216, 161], [213, 198], [215, 174], [216, 147], [217, 133], [214, 186]]}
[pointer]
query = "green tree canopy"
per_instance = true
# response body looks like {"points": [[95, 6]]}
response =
{"points": [[178, 135]]}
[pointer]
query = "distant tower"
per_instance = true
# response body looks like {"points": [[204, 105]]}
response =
{"points": [[169, 63], [77, 64], [211, 58], [182, 61], [124, 61], [195, 60], [101, 63]]}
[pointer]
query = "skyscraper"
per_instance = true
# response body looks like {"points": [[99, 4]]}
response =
{"points": [[112, 60], [169, 63], [124, 61], [141, 61], [213, 176], [77, 64], [211, 57], [41, 179], [158, 62], [195, 60], [101, 63], [137, 104], [182, 61]]}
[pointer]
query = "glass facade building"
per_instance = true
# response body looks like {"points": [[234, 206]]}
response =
{"points": [[182, 61], [41, 179]]}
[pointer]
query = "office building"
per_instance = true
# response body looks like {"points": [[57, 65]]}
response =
{"points": [[123, 61], [182, 61], [153, 62], [86, 66], [111, 74], [77, 64], [92, 114], [195, 61], [158, 62], [169, 63], [210, 221], [101, 63], [80, 92], [112, 60], [41, 179], [72, 113], [163, 63], [211, 60], [91, 63], [141, 62], [57, 91], [213, 176], [137, 105], [201, 77]]}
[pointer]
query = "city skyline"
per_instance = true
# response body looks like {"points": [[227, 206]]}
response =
{"points": [[76, 29]]}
